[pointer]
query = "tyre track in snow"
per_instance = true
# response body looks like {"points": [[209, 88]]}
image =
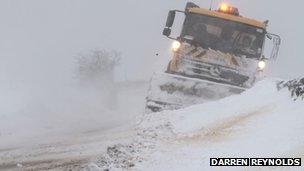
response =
{"points": [[219, 130], [59, 156], [50, 164]]}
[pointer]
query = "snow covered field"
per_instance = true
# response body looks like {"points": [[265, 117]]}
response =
{"points": [[261, 122], [67, 123]]}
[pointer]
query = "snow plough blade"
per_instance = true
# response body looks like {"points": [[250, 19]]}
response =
{"points": [[169, 92]]}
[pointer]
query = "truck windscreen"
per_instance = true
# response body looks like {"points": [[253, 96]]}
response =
{"points": [[224, 35]]}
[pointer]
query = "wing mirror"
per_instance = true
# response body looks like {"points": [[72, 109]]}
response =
{"points": [[170, 19], [276, 42], [167, 32], [169, 23]]}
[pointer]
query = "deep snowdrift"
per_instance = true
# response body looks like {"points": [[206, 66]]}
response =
{"points": [[261, 122]]}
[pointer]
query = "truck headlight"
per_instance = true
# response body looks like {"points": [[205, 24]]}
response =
{"points": [[175, 46], [261, 65]]}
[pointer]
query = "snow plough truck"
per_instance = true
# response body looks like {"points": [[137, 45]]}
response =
{"points": [[217, 53]]}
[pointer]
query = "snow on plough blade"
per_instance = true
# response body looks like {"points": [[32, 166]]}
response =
{"points": [[168, 92]]}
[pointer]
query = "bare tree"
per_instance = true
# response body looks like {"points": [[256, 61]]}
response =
{"points": [[96, 70], [97, 65]]}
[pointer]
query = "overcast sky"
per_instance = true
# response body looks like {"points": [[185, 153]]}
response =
{"points": [[40, 38]]}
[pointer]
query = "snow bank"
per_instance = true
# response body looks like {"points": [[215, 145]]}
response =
{"points": [[197, 117], [261, 122]]}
